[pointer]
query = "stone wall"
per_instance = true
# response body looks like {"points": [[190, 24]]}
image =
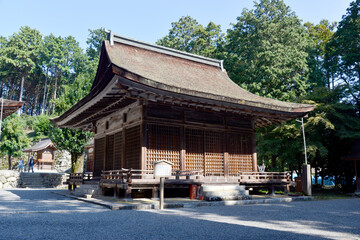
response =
{"points": [[13, 179], [9, 179], [62, 161], [53, 180]]}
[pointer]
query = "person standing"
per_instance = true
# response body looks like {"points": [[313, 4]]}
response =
{"points": [[21, 165], [31, 164]]}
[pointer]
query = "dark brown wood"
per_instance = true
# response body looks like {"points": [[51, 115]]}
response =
{"points": [[123, 149], [132, 147], [99, 155], [118, 152], [182, 149], [109, 163]]}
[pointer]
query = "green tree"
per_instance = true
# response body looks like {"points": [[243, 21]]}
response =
{"points": [[42, 127], [319, 36], [20, 54], [190, 36], [13, 137], [72, 140], [94, 42], [343, 53], [267, 51], [330, 129]]}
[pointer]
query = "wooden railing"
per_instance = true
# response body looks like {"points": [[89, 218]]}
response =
{"points": [[264, 177], [124, 175], [188, 174], [80, 177]]}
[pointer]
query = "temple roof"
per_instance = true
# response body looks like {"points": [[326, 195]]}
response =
{"points": [[10, 106], [131, 69], [41, 145]]}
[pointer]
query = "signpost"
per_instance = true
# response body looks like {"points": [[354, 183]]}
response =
{"points": [[162, 169]]}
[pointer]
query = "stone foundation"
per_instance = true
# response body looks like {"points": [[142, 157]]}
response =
{"points": [[13, 179], [9, 179]]}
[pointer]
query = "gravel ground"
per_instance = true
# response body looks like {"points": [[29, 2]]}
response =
{"points": [[38, 214]]}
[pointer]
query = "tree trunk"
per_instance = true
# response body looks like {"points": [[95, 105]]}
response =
{"points": [[74, 158], [9, 161], [44, 97], [2, 87], [35, 104], [21, 92], [54, 95]]}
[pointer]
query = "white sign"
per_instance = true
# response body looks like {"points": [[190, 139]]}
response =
{"points": [[162, 169]]}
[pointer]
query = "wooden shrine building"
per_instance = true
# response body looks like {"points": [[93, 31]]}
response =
{"points": [[45, 156], [150, 103]]}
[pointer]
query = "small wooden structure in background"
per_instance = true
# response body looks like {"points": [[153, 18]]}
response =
{"points": [[150, 103], [44, 150]]}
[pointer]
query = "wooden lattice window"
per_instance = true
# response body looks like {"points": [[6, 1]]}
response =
{"points": [[240, 154], [214, 154], [163, 143], [117, 150], [132, 147], [99, 156], [109, 163], [194, 145]]}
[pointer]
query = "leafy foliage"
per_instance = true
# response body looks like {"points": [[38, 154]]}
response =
{"points": [[72, 140], [94, 41], [319, 36], [343, 53], [190, 36], [267, 51], [13, 137]]}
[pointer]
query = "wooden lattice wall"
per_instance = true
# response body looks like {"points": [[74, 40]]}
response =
{"points": [[99, 156], [163, 142], [214, 153], [194, 145], [240, 154], [132, 147], [204, 149]]}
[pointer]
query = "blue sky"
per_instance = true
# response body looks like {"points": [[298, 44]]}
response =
{"points": [[142, 20]]}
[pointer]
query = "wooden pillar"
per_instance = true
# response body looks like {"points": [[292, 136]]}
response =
{"points": [[143, 144], [123, 148], [253, 145], [128, 191], [93, 152], [226, 155], [105, 152], [182, 149]]}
